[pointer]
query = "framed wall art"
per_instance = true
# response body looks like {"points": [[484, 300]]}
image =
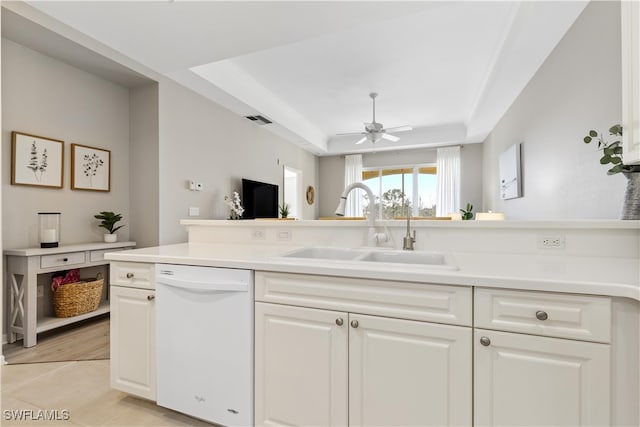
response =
{"points": [[510, 173], [90, 168], [36, 160]]}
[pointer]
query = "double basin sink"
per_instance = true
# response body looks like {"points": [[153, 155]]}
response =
{"points": [[433, 260]]}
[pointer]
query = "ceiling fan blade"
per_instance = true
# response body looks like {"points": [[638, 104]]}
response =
{"points": [[361, 141], [390, 137], [350, 133], [404, 128]]}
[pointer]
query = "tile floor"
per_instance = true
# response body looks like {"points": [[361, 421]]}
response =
{"points": [[81, 388]]}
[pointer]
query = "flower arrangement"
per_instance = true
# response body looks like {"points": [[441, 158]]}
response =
{"points": [[235, 205]]}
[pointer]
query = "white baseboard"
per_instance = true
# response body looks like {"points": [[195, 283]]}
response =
{"points": [[2, 361]]}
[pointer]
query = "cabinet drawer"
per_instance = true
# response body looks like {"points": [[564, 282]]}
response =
{"points": [[59, 260], [402, 300], [133, 275], [581, 317]]}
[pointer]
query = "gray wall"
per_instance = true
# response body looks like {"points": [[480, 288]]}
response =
{"points": [[331, 169], [578, 88], [144, 166], [471, 176], [45, 97], [160, 135], [203, 141]]}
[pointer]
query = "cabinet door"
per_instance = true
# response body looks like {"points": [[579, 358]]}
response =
{"points": [[405, 373], [631, 81], [133, 341], [527, 380], [300, 366]]}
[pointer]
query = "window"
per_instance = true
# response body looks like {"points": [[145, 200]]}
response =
{"points": [[395, 188]]}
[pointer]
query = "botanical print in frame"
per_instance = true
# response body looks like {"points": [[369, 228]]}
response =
{"points": [[36, 161], [510, 173], [90, 168]]}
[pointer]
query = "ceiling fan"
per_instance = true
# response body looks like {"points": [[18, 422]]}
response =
{"points": [[375, 131]]}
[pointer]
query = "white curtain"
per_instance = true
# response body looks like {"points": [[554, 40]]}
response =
{"points": [[448, 181], [353, 173]]}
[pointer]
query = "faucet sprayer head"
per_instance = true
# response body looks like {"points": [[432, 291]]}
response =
{"points": [[341, 206]]}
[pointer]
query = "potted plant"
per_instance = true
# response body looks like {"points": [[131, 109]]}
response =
{"points": [[284, 210], [612, 154], [108, 222], [467, 213]]}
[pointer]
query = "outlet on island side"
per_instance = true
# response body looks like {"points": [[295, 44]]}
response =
{"points": [[259, 234], [551, 242]]}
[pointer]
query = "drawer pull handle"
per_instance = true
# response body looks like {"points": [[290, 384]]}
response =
{"points": [[339, 321], [354, 324], [129, 275], [65, 259], [151, 297], [541, 315], [485, 341]]}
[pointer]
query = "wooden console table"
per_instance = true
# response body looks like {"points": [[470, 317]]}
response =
{"points": [[23, 268]]}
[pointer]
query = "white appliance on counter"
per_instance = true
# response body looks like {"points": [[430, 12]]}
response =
{"points": [[204, 333]]}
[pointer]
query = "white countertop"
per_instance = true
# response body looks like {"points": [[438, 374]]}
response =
{"points": [[619, 277], [93, 246]]}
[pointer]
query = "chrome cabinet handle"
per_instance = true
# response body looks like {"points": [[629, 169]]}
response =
{"points": [[485, 341], [541, 315], [339, 321], [151, 297], [354, 324], [129, 275]]}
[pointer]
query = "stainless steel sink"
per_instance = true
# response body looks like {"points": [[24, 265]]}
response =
{"points": [[434, 260]]}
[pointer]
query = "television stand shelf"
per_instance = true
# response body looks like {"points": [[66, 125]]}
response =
{"points": [[23, 268]]}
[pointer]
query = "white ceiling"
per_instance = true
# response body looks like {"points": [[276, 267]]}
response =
{"points": [[449, 69]]}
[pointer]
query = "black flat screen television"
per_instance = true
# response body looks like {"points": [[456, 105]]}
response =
{"points": [[260, 199]]}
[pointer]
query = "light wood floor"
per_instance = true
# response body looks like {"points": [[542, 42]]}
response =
{"points": [[80, 390], [87, 340]]}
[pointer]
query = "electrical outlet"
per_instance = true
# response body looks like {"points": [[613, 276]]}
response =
{"points": [[191, 185], [199, 186], [259, 234], [284, 235], [40, 291], [551, 242]]}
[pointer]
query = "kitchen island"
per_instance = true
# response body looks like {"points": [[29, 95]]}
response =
{"points": [[521, 334]]}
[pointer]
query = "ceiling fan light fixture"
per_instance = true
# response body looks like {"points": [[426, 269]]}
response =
{"points": [[375, 131]]}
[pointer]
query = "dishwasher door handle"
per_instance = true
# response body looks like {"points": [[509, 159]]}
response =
{"points": [[209, 286]]}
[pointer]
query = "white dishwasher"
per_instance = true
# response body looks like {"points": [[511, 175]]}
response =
{"points": [[204, 333]]}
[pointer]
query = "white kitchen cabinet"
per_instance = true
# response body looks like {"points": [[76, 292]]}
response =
{"points": [[133, 343], [631, 81], [301, 366], [528, 380], [408, 373], [323, 367], [541, 358]]}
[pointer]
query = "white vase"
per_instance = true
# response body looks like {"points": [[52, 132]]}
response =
{"points": [[110, 238]]}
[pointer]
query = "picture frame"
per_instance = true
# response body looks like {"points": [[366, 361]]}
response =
{"points": [[90, 168], [36, 161], [510, 173]]}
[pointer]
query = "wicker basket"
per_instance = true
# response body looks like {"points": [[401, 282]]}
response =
{"points": [[77, 298]]}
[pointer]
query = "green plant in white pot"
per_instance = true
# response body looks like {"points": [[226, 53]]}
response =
{"points": [[108, 222]]}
